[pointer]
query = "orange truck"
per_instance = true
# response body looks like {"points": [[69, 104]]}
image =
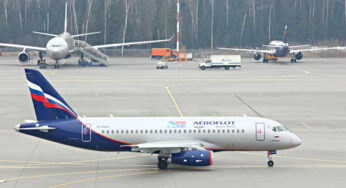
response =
{"points": [[160, 52]]}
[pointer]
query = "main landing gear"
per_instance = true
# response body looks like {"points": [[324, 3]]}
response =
{"points": [[162, 162], [41, 62], [270, 161], [56, 65]]}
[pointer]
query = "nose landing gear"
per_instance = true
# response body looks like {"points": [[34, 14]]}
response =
{"points": [[270, 161]]}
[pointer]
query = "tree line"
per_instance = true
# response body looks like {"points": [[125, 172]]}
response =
{"points": [[203, 23]]}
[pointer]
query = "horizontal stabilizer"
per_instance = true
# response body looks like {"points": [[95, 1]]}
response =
{"points": [[46, 34], [85, 34]]}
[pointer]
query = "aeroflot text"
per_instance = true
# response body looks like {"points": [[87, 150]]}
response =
{"points": [[213, 123]]}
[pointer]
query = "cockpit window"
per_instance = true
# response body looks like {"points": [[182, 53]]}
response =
{"points": [[274, 129], [279, 128], [56, 45]]}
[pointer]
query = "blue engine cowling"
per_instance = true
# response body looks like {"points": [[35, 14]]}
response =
{"points": [[299, 55], [257, 56], [193, 158]]}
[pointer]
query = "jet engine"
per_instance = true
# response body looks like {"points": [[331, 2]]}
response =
{"points": [[193, 158], [299, 55], [24, 57], [257, 56]]}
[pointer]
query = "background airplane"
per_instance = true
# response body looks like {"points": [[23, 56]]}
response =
{"points": [[185, 140], [64, 45], [278, 48]]}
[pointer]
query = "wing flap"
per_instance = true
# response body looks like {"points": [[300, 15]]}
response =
{"points": [[248, 50]]}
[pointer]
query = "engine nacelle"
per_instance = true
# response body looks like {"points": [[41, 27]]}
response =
{"points": [[193, 158], [299, 55], [257, 56], [24, 57]]}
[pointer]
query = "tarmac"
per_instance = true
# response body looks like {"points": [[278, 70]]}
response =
{"points": [[308, 97]]}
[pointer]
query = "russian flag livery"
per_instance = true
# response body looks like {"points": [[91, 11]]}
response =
{"points": [[48, 104], [285, 33]]}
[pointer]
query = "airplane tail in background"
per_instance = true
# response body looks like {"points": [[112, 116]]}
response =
{"points": [[285, 33], [48, 104]]}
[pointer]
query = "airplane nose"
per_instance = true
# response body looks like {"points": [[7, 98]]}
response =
{"points": [[17, 127], [296, 141]]}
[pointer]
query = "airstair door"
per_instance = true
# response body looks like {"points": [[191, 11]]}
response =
{"points": [[86, 133], [260, 131]]}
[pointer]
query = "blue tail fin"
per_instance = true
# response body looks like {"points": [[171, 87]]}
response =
{"points": [[285, 33], [48, 104]]}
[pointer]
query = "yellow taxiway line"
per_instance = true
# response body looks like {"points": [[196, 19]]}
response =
{"points": [[176, 105]]}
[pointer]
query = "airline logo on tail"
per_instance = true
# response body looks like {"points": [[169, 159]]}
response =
{"points": [[285, 33], [47, 100]]}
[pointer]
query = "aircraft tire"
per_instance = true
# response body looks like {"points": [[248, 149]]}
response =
{"points": [[162, 164], [226, 68], [270, 163]]}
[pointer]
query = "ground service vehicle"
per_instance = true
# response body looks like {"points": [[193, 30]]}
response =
{"points": [[161, 65], [221, 61]]}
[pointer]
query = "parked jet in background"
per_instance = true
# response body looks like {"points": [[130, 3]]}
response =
{"points": [[64, 45], [185, 140], [278, 48]]}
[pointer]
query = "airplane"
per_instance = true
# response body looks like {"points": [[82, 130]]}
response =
{"points": [[64, 45], [188, 141], [278, 48]]}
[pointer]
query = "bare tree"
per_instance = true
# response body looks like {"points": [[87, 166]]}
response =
{"points": [[212, 25], [89, 5], [128, 4], [107, 4], [75, 17], [5, 2], [242, 29], [270, 18], [226, 13]]}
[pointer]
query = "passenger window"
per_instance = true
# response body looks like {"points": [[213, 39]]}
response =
{"points": [[242, 131], [131, 131], [112, 131], [103, 131], [190, 131], [122, 131], [146, 131], [208, 130], [227, 130], [223, 131], [199, 131], [141, 131], [237, 130], [151, 131], [170, 131], [203, 130], [184, 131], [218, 131], [213, 130], [175, 131], [232, 130], [107, 131], [117, 131], [194, 131], [165, 131], [179, 131], [127, 131]]}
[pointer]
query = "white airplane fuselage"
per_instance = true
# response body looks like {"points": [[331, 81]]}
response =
{"points": [[59, 47], [281, 49], [219, 133]]}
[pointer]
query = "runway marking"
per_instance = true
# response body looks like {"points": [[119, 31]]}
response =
{"points": [[104, 177], [73, 173], [307, 126], [176, 105], [54, 71], [306, 72], [298, 158], [71, 162]]}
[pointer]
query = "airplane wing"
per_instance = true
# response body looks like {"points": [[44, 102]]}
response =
{"points": [[318, 49], [23, 47], [248, 50], [301, 46], [132, 43], [175, 146]]}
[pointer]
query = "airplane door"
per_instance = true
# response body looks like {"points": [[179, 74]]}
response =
{"points": [[86, 133], [260, 132]]}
